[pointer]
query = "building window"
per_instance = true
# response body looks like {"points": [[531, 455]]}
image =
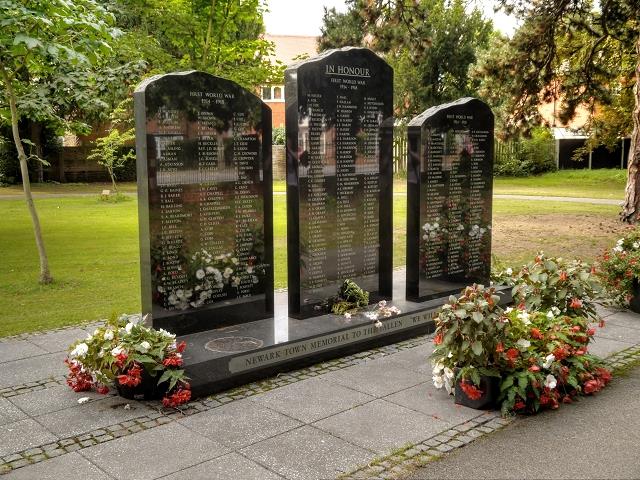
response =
{"points": [[272, 93]]}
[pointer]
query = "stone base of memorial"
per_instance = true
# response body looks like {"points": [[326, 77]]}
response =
{"points": [[219, 359]]}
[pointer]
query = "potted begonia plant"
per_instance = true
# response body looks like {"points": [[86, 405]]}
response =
{"points": [[619, 270], [139, 361]]}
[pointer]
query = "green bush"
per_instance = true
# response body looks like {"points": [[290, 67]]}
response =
{"points": [[278, 136], [9, 166], [529, 156]]}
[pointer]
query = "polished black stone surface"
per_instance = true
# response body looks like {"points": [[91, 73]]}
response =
{"points": [[450, 187], [339, 122], [205, 202]]}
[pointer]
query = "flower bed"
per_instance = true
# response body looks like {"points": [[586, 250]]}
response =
{"points": [[137, 360], [619, 269]]}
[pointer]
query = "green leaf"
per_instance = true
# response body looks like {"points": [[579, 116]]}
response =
{"points": [[506, 383], [460, 313], [477, 317], [477, 347], [30, 42]]}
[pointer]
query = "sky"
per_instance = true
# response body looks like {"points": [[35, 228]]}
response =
{"points": [[304, 17]]}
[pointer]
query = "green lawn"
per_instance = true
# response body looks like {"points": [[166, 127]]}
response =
{"points": [[604, 183], [93, 250]]}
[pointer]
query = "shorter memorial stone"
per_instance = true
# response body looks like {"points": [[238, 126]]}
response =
{"points": [[450, 187], [205, 202]]}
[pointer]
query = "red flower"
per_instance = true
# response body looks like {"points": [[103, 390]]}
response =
{"points": [[593, 270], [575, 328], [470, 390], [567, 399], [601, 323], [499, 347], [603, 374], [132, 378], [438, 339], [181, 346], [521, 306], [534, 368], [102, 389], [178, 397], [535, 333], [575, 303], [121, 358], [78, 379], [563, 276], [591, 332], [512, 354], [519, 405], [172, 361], [580, 351], [561, 353], [591, 386]]}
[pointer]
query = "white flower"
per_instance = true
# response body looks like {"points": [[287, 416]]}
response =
{"points": [[437, 368], [524, 316], [636, 245], [145, 346], [200, 274], [108, 335], [523, 344], [509, 271], [618, 249], [164, 333], [227, 272], [509, 310], [249, 269], [438, 381], [549, 359], [80, 350], [555, 310], [83, 400], [448, 373], [347, 315], [234, 260], [450, 355], [382, 303], [371, 315], [378, 324], [550, 314], [128, 327], [117, 351], [448, 384], [550, 382], [620, 241]]}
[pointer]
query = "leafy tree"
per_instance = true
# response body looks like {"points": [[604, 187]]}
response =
{"points": [[54, 39], [583, 54], [429, 43]]}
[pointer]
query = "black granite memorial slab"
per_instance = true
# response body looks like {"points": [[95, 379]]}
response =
{"points": [[450, 188], [339, 124], [204, 202]]}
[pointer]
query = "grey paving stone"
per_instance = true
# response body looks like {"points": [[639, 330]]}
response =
{"points": [[604, 312], [381, 426], [425, 398], [619, 332], [231, 466], [153, 453], [624, 319], [240, 423], [57, 341], [377, 378], [307, 453], [90, 416], [9, 412], [416, 358], [32, 369], [17, 349], [21, 435], [312, 400], [603, 347], [51, 399]]}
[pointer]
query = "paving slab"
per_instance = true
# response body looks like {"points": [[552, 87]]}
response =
{"points": [[605, 312], [51, 399], [9, 413], [71, 466], [240, 423], [153, 453], [604, 347], [382, 426], [620, 333], [415, 359], [32, 369], [312, 399], [20, 435], [57, 341], [14, 349], [307, 453], [93, 415], [227, 467], [376, 377], [624, 319], [425, 398]]}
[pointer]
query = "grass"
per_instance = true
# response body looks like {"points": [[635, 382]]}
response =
{"points": [[73, 188], [93, 250]]}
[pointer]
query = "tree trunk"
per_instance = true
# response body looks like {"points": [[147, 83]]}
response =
{"points": [[631, 207], [45, 275]]}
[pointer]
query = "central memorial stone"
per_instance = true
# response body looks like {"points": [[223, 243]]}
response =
{"points": [[339, 122], [205, 202]]}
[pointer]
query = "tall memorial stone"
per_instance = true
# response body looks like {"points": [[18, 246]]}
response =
{"points": [[339, 123], [450, 185], [204, 201]]}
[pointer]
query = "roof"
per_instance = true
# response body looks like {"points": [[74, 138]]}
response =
{"points": [[288, 47], [567, 134]]}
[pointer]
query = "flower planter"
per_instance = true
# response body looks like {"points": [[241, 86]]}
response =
{"points": [[148, 389], [634, 303], [490, 387]]}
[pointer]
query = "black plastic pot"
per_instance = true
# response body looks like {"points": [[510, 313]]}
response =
{"points": [[490, 387], [147, 389], [634, 303]]}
